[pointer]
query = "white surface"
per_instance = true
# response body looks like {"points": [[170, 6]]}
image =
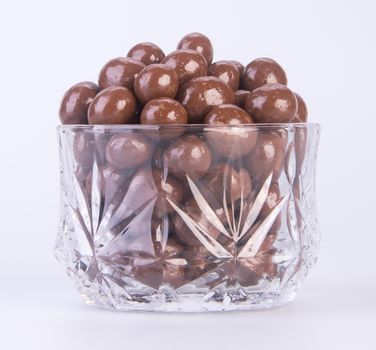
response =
{"points": [[328, 51]]}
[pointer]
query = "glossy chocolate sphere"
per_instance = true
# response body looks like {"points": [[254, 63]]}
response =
{"points": [[262, 71], [199, 95], [188, 155], [164, 111], [75, 103], [272, 103], [267, 155], [156, 80], [128, 150], [240, 97], [168, 187], [227, 72], [119, 71], [83, 149], [187, 64], [239, 65], [230, 142], [147, 53], [223, 178], [198, 42], [302, 112], [113, 105], [273, 198]]}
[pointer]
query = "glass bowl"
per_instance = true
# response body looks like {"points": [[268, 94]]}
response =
{"points": [[189, 217]]}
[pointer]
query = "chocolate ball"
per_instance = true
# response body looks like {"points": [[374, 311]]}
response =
{"points": [[239, 65], [223, 178], [168, 187], [128, 150], [156, 80], [240, 97], [183, 233], [120, 71], [272, 199], [267, 156], [76, 101], [164, 111], [83, 149], [263, 71], [302, 112], [188, 155], [199, 95], [187, 64], [198, 42], [113, 105], [230, 142], [227, 72], [147, 53], [272, 103]]}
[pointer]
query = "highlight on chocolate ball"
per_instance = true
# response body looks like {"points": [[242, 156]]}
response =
{"points": [[188, 183]]}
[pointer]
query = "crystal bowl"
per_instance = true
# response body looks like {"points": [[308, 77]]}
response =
{"points": [[190, 217]]}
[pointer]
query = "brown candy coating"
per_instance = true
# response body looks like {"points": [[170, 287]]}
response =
{"points": [[224, 178], [156, 80], [199, 95], [76, 101], [302, 112], [188, 155], [198, 42], [231, 142], [147, 53], [128, 150], [239, 65], [164, 111], [262, 71], [226, 71], [119, 71], [240, 97], [187, 64], [273, 198], [267, 156], [168, 187], [83, 149], [272, 103], [113, 105]]}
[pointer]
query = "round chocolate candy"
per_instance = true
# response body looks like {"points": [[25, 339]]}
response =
{"points": [[272, 199], [164, 111], [156, 80], [147, 53], [113, 105], [188, 156], [76, 101], [223, 178], [226, 71], [239, 65], [272, 103], [263, 71], [168, 187], [302, 112], [267, 156], [199, 95], [187, 64], [128, 150], [230, 142], [83, 149], [240, 97], [184, 234], [198, 42], [120, 71]]}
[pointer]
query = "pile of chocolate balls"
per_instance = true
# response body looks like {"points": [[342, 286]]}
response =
{"points": [[184, 87]]}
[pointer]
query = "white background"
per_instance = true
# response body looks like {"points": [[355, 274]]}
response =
{"points": [[328, 50]]}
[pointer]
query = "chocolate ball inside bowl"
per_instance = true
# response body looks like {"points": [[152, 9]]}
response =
{"points": [[198, 42], [302, 112], [226, 71], [113, 105], [199, 95], [76, 101], [240, 97], [187, 64], [119, 71], [147, 53], [156, 80]]}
